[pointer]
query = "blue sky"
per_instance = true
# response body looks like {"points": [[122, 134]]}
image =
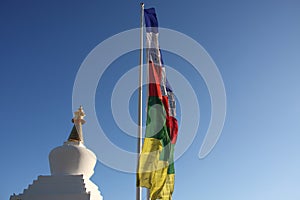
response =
{"points": [[255, 45]]}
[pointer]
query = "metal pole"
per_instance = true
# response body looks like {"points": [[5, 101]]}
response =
{"points": [[148, 194], [140, 105]]}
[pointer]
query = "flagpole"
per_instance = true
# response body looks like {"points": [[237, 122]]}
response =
{"points": [[140, 105], [148, 194]]}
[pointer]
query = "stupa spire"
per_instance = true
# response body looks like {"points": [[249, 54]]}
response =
{"points": [[76, 133]]}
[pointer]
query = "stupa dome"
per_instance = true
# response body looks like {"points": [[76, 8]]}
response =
{"points": [[72, 159]]}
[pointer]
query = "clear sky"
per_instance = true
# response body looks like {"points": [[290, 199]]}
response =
{"points": [[255, 45]]}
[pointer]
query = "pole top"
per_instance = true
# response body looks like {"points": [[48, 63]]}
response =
{"points": [[142, 5], [79, 116]]}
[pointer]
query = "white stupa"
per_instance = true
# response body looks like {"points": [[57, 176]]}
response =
{"points": [[71, 166]]}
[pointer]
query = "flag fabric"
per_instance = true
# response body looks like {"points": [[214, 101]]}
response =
{"points": [[156, 168]]}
